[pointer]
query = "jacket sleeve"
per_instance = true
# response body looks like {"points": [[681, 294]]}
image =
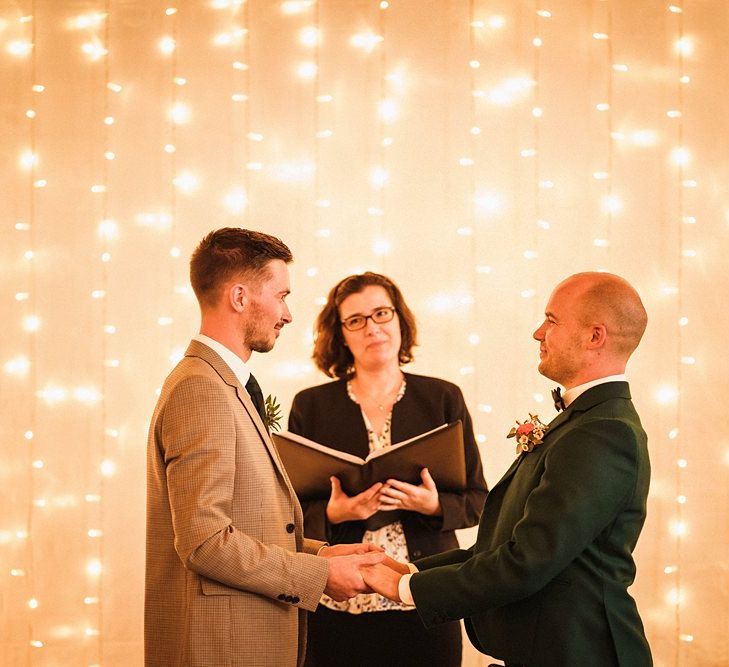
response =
{"points": [[589, 478], [197, 438]]}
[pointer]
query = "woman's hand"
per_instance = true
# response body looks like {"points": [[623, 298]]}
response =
{"points": [[342, 507], [397, 495]]}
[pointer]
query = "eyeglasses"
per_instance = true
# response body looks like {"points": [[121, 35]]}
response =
{"points": [[379, 316]]}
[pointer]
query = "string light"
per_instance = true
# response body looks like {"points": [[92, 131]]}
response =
{"points": [[505, 201]]}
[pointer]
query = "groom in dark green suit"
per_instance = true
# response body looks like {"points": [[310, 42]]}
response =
{"points": [[546, 583]]}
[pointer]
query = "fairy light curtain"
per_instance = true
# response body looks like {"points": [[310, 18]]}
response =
{"points": [[475, 150]]}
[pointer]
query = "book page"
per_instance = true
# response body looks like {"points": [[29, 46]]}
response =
{"points": [[345, 456], [385, 450]]}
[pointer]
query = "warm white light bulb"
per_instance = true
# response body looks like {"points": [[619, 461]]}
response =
{"points": [[94, 50], [167, 44], [186, 182], [309, 36], [19, 47], [179, 113], [665, 394], [18, 366], [680, 156], [108, 468], [365, 41], [236, 200], [387, 110], [379, 176], [685, 46], [93, 567], [88, 395], [31, 323], [108, 230], [296, 6], [488, 203], [28, 160], [611, 204], [381, 246], [307, 70]]}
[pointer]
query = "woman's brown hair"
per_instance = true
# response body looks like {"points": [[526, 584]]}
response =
{"points": [[331, 355]]}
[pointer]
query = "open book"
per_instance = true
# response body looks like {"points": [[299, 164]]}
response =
{"points": [[310, 464]]}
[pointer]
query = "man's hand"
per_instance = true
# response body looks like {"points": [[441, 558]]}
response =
{"points": [[397, 495], [342, 507], [349, 549], [383, 580], [344, 579], [396, 565]]}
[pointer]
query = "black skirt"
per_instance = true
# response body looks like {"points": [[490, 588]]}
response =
{"points": [[380, 638]]}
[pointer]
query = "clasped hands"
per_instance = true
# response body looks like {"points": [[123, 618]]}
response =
{"points": [[361, 568], [392, 495]]}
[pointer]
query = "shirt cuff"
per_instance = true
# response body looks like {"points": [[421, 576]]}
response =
{"points": [[403, 590], [326, 544]]}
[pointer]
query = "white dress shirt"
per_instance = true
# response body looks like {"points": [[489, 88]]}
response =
{"points": [[236, 364]]}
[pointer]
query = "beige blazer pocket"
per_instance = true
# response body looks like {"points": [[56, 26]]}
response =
{"points": [[210, 587]]}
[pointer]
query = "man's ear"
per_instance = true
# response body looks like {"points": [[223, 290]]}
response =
{"points": [[598, 336], [237, 295]]}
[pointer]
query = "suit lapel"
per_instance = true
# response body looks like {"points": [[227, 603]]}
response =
{"points": [[583, 402], [208, 355]]}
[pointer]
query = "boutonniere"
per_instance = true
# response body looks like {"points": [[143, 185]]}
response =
{"points": [[528, 434], [273, 413]]}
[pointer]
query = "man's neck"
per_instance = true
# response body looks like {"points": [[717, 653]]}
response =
{"points": [[225, 336], [593, 374]]}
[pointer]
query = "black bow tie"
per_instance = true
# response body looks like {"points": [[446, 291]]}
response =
{"points": [[558, 400], [254, 390]]}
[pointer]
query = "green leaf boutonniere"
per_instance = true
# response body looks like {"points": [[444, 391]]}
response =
{"points": [[273, 413], [529, 434]]}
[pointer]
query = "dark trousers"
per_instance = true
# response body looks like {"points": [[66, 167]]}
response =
{"points": [[380, 638]]}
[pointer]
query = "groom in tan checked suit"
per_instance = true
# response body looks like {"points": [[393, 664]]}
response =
{"points": [[229, 574]]}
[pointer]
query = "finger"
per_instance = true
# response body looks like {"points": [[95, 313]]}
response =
{"points": [[401, 486], [336, 486], [370, 493], [428, 481], [389, 502], [392, 493], [371, 558]]}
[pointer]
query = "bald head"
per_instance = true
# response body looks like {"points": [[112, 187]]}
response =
{"points": [[604, 298]]}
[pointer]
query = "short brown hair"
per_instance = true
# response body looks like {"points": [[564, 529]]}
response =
{"points": [[229, 252], [331, 355]]}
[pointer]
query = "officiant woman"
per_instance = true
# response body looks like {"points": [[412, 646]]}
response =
{"points": [[364, 335]]}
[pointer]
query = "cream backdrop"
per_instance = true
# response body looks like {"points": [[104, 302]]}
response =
{"points": [[477, 152]]}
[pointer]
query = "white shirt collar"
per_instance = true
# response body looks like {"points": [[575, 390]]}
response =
{"points": [[571, 394], [235, 363]]}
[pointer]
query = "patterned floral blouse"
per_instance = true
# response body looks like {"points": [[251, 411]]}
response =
{"points": [[390, 537]]}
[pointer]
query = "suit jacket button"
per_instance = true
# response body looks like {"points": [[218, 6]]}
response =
{"points": [[295, 599], [282, 597], [290, 528], [289, 598], [417, 554]]}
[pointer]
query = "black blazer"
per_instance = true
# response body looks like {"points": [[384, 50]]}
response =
{"points": [[546, 583], [326, 414]]}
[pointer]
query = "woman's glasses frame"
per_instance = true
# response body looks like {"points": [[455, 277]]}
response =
{"points": [[380, 315]]}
